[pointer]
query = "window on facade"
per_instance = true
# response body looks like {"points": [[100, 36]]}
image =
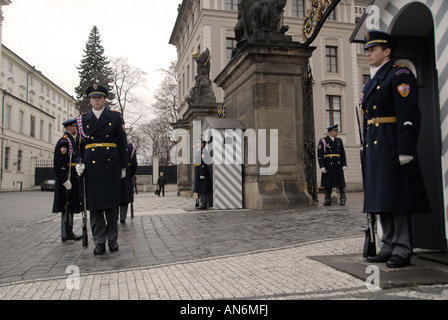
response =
{"points": [[365, 78], [33, 126], [332, 59], [230, 46], [19, 160], [21, 122], [333, 111], [7, 155], [8, 117], [332, 16], [232, 5], [50, 131], [41, 130], [298, 8]]}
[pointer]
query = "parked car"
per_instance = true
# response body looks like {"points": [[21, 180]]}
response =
{"points": [[48, 185]]}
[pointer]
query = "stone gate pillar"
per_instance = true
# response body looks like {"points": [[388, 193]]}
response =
{"points": [[263, 89]]}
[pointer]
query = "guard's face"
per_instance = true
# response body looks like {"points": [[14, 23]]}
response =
{"points": [[98, 102], [72, 129], [333, 133], [376, 56]]}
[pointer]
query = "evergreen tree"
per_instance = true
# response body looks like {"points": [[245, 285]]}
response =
{"points": [[94, 68]]}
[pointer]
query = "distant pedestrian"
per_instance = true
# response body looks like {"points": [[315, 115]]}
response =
{"points": [[332, 163], [161, 182]]}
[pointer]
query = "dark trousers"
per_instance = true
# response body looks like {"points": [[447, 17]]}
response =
{"points": [[104, 225], [162, 190], [397, 234], [123, 209], [342, 198]]}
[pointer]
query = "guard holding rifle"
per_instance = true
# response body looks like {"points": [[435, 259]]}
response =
{"points": [[394, 186], [66, 194], [332, 163], [103, 163]]}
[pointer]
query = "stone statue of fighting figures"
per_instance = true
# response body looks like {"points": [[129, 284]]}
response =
{"points": [[259, 16]]}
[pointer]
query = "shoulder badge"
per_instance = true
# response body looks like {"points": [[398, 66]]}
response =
{"points": [[402, 71], [404, 89]]}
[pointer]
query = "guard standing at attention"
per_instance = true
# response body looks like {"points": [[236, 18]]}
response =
{"points": [[127, 187], [394, 186], [202, 179], [103, 164], [64, 162], [332, 163]]}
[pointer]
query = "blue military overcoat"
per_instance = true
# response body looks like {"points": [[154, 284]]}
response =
{"points": [[127, 189], [331, 155], [391, 127], [103, 151], [202, 177]]}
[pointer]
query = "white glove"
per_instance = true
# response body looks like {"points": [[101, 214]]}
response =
{"points": [[344, 168], [123, 173], [323, 170], [80, 168], [67, 184], [405, 159]]}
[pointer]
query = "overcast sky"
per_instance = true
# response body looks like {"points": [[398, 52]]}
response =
{"points": [[52, 34]]}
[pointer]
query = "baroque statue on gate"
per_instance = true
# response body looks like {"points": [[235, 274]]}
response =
{"points": [[202, 92]]}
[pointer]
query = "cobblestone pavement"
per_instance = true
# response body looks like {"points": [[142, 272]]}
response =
{"points": [[169, 251]]}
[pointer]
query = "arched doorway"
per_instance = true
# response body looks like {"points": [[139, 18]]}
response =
{"points": [[414, 28]]}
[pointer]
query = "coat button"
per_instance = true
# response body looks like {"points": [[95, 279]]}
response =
{"points": [[93, 161], [93, 149], [378, 88], [377, 125], [110, 123], [376, 142], [374, 107]]}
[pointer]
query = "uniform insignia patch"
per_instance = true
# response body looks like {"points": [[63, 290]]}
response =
{"points": [[63, 150], [405, 71], [404, 89]]}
